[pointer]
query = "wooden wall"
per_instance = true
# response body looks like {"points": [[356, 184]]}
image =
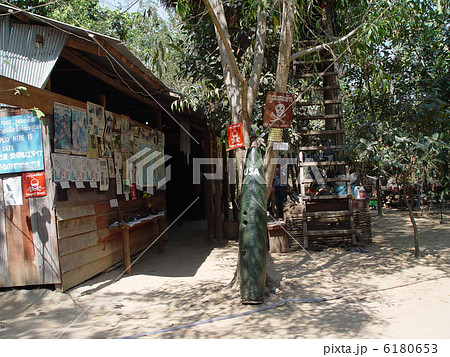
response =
{"points": [[28, 244], [87, 247]]}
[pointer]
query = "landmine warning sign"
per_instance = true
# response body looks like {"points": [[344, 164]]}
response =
{"points": [[235, 136], [278, 110], [34, 184]]}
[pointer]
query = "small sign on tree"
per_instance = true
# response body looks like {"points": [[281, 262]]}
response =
{"points": [[278, 110], [235, 136]]}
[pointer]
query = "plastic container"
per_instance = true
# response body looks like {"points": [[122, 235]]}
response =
{"points": [[360, 193], [341, 190]]}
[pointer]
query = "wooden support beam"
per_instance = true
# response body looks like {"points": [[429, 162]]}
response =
{"points": [[130, 65], [85, 45], [79, 60], [39, 98], [22, 17]]}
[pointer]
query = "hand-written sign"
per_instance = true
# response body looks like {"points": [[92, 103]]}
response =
{"points": [[278, 110], [34, 184], [21, 144]]}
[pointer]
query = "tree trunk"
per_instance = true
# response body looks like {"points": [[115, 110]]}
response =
{"points": [[379, 198], [282, 76], [411, 217]]}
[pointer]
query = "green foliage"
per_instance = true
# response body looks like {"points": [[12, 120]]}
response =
{"points": [[150, 37], [397, 93]]}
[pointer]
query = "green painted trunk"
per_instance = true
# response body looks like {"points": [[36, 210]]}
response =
{"points": [[253, 230]]}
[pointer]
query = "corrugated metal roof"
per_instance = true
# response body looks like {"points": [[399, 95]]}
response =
{"points": [[29, 52], [118, 45]]}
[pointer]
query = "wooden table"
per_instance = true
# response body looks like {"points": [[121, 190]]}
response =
{"points": [[278, 237], [125, 227]]}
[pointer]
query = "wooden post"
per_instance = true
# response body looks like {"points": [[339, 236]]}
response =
{"points": [[218, 227], [161, 228], [209, 204], [126, 247], [159, 119], [225, 188]]}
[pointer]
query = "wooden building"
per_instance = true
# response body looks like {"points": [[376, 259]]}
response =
{"points": [[64, 235]]}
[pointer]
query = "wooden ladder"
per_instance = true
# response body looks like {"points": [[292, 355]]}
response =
{"points": [[326, 216]]}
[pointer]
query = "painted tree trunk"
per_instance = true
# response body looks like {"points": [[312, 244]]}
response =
{"points": [[253, 230]]}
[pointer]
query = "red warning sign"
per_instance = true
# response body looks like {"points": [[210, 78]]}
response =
{"points": [[235, 137], [34, 184], [278, 110], [133, 192]]}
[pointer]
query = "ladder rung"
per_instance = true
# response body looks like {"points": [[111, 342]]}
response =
{"points": [[327, 214], [323, 163], [321, 117], [332, 179], [310, 104], [326, 197], [328, 233], [325, 88], [317, 148], [321, 132], [306, 75], [323, 60]]}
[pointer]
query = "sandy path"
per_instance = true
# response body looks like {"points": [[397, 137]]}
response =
{"points": [[380, 294]]}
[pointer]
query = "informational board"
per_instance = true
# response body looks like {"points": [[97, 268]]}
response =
{"points": [[278, 110], [281, 146], [21, 144]]}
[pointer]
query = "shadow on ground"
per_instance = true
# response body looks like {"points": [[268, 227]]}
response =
{"points": [[187, 284]]}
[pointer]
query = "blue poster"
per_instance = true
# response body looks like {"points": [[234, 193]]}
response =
{"points": [[21, 144]]}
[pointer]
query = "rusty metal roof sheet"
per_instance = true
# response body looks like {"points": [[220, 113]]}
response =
{"points": [[118, 45], [28, 53]]}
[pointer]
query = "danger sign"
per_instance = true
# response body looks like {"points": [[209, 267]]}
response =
{"points": [[34, 184], [235, 137], [278, 110]]}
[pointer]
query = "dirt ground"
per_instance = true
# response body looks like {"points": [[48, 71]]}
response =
{"points": [[382, 291]]}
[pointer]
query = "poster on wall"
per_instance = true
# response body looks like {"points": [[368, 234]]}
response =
{"points": [[80, 139], [62, 116], [117, 122], [125, 134], [118, 184], [21, 144], [118, 162], [104, 177], [96, 119], [93, 147], [34, 184], [12, 191], [109, 121], [61, 167], [79, 169], [111, 169], [93, 170]]}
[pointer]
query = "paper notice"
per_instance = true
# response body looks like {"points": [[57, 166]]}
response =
{"points": [[12, 191]]}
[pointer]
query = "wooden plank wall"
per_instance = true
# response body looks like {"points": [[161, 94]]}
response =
{"points": [[87, 247], [4, 269], [28, 244]]}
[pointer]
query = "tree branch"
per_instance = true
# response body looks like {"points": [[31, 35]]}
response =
{"points": [[225, 40], [258, 59], [325, 45]]}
